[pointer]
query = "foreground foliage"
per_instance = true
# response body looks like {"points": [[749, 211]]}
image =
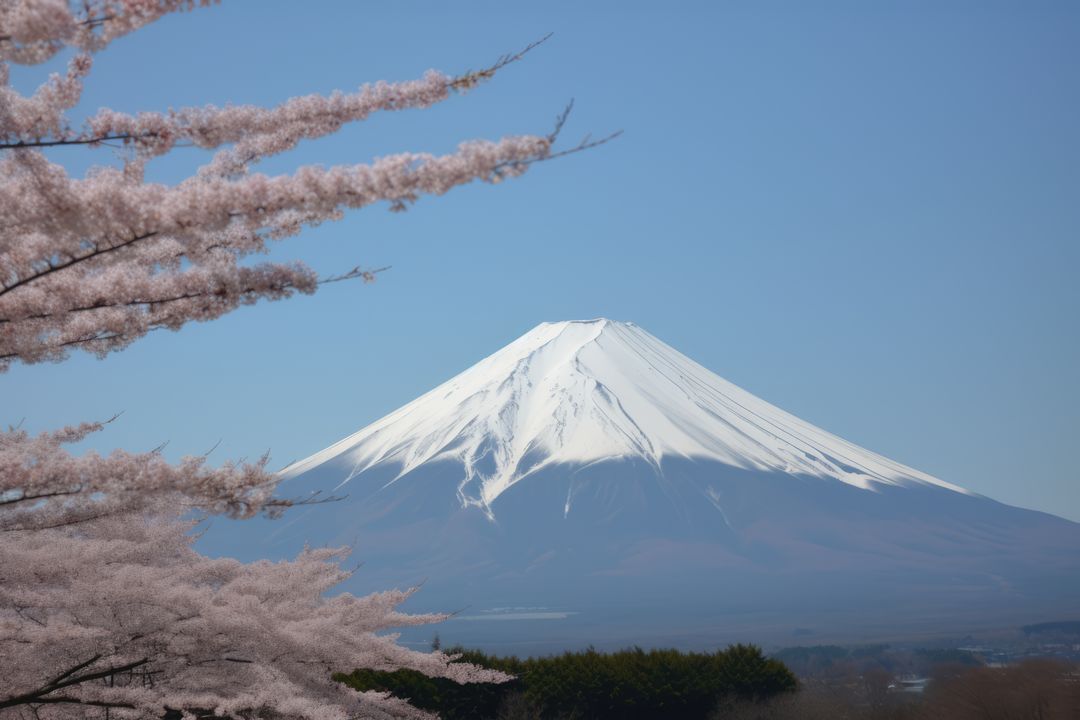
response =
{"points": [[156, 626], [629, 684]]}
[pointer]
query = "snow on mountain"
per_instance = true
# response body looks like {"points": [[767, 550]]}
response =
{"points": [[583, 391]]}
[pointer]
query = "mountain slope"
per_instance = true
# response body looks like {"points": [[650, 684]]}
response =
{"points": [[591, 468]]}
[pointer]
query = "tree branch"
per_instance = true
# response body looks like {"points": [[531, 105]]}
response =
{"points": [[470, 79], [97, 252], [41, 496], [72, 671], [90, 22], [65, 141], [587, 143], [77, 341], [38, 696], [461, 83], [355, 273], [77, 701]]}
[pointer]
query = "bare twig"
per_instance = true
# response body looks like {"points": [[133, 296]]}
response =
{"points": [[587, 143], [67, 141], [470, 79], [356, 273]]}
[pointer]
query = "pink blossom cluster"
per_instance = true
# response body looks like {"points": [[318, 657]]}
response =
{"points": [[32, 31], [41, 115], [43, 485], [121, 613], [256, 132]]}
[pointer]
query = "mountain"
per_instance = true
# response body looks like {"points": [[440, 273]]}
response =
{"points": [[590, 473]]}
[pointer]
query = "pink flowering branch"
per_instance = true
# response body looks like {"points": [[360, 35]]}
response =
{"points": [[169, 312], [44, 485], [253, 132], [32, 31], [247, 293], [58, 143]]}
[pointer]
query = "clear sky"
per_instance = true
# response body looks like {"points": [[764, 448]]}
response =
{"points": [[865, 213]]}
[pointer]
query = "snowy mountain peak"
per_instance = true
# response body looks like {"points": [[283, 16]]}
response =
{"points": [[584, 391]]}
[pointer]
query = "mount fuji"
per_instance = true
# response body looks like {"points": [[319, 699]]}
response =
{"points": [[589, 472]]}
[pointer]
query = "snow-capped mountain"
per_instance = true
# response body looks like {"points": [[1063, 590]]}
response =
{"points": [[588, 465], [584, 391]]}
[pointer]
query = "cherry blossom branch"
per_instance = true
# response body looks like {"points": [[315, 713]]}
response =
{"points": [[73, 343], [73, 670], [38, 496], [357, 273], [74, 701], [354, 274], [257, 132], [39, 695], [69, 488], [62, 142], [87, 23], [52, 267]]}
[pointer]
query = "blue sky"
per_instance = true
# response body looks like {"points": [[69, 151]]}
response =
{"points": [[865, 213]]}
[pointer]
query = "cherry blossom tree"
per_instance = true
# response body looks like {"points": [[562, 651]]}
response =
{"points": [[124, 615], [105, 607]]}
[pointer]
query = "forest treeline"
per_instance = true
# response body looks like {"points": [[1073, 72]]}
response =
{"points": [[631, 684]]}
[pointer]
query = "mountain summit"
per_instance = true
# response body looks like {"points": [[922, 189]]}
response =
{"points": [[585, 391], [589, 467]]}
